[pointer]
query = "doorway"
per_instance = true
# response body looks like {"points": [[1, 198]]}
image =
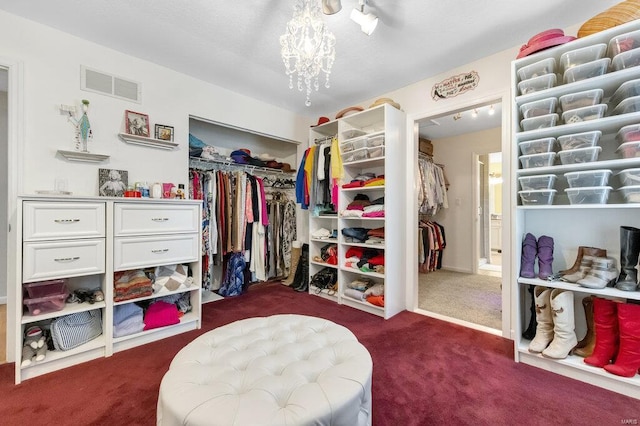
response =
{"points": [[4, 207], [461, 290]]}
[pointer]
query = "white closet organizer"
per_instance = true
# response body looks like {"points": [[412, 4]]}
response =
{"points": [[382, 123], [573, 225], [84, 240]]}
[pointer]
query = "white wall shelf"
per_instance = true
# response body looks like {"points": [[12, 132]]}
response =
{"points": [[86, 157], [149, 142]]}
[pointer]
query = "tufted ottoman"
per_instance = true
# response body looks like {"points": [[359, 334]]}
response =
{"points": [[278, 370]]}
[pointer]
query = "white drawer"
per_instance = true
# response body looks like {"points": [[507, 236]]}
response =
{"points": [[59, 259], [140, 252], [147, 219], [44, 220]]}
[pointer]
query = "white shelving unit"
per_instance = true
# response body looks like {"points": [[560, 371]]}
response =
{"points": [[571, 226], [80, 239], [390, 123]]}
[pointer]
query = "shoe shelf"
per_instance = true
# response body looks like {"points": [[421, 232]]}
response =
{"points": [[324, 240], [358, 271], [315, 262], [156, 295], [324, 293], [608, 292], [578, 225]]}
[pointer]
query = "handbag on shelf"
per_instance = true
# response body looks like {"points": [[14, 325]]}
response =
{"points": [[71, 331]]}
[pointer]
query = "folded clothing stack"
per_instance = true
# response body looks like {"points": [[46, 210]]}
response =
{"points": [[127, 319], [131, 285], [365, 179]]}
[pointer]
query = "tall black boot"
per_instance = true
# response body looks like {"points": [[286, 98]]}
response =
{"points": [[303, 279], [629, 251], [530, 332]]}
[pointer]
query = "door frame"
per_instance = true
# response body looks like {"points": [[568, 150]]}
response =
{"points": [[15, 156], [412, 196]]}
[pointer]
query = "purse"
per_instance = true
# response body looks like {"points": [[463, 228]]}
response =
{"points": [[71, 331]]}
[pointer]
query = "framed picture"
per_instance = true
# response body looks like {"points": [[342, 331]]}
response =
{"points": [[137, 123], [164, 133], [112, 183]]}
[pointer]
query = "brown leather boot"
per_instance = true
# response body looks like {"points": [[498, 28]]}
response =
{"points": [[584, 251], [584, 348]]}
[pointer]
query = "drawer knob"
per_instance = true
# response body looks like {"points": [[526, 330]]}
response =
{"points": [[160, 219], [66, 220], [67, 259], [160, 250]]}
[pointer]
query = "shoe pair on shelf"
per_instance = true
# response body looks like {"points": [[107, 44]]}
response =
{"points": [[542, 249]]}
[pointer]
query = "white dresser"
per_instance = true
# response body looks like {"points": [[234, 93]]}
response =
{"points": [[84, 240]]}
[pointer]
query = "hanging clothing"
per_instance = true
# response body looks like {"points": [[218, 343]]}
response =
{"points": [[431, 245], [432, 195]]}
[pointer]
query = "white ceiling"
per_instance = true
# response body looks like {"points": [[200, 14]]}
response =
{"points": [[235, 44]]}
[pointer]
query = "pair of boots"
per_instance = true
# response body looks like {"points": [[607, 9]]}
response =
{"points": [[629, 253], [301, 278], [617, 337], [555, 333], [296, 253], [543, 250], [593, 271]]}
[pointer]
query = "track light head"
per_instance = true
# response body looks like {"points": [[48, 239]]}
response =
{"points": [[329, 7], [367, 21]]}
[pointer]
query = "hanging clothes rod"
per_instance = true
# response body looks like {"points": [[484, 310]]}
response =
{"points": [[424, 156], [320, 141], [202, 164]]}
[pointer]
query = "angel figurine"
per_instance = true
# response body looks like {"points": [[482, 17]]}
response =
{"points": [[83, 128]]}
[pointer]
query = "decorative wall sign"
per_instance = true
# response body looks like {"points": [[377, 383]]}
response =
{"points": [[453, 86]]}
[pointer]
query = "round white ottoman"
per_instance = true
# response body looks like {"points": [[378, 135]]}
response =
{"points": [[278, 370]]}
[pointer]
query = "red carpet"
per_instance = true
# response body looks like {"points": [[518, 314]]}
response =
{"points": [[425, 372]]}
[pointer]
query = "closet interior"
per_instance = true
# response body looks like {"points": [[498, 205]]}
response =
{"points": [[249, 211]]}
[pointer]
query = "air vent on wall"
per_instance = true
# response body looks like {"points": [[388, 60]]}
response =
{"points": [[101, 82]]}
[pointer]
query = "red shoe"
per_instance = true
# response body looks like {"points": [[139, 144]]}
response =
{"points": [[605, 319], [628, 359]]}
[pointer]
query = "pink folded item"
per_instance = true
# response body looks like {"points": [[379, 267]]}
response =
{"points": [[374, 214], [161, 314], [353, 184]]}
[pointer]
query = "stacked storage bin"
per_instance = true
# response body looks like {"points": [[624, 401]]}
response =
{"points": [[45, 296]]}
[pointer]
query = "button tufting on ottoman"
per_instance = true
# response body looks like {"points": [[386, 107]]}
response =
{"points": [[278, 370]]}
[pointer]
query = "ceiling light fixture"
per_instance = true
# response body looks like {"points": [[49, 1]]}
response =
{"points": [[308, 47], [491, 110], [329, 7], [367, 21], [474, 114]]}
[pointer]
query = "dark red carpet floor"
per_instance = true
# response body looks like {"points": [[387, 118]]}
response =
{"points": [[425, 372]]}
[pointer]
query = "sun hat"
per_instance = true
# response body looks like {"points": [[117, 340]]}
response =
{"points": [[348, 111], [266, 157], [381, 101], [286, 167], [544, 40], [321, 120]]}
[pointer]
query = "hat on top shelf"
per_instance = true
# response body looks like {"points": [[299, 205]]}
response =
{"points": [[544, 40], [619, 14], [349, 111], [385, 101], [321, 120], [266, 157]]}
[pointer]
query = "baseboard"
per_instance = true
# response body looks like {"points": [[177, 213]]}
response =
{"points": [[453, 269]]}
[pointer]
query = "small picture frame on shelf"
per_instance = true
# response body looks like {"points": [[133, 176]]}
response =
{"points": [[164, 133], [112, 183], [136, 123]]}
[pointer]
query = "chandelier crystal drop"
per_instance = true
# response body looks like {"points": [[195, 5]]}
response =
{"points": [[308, 47]]}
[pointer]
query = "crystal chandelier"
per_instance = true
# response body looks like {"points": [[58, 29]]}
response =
{"points": [[308, 47]]}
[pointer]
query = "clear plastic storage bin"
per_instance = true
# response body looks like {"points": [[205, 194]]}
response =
{"points": [[540, 122], [580, 155], [545, 159], [588, 195], [356, 155], [45, 288], [537, 146], [537, 84], [376, 151], [623, 42], [546, 66], [352, 133], [375, 141], [581, 56], [540, 197], [42, 305], [628, 59], [583, 99], [538, 108], [631, 194], [588, 178], [584, 114], [579, 140], [353, 144], [627, 106], [533, 183], [629, 149], [630, 133], [628, 89], [630, 177], [588, 70]]}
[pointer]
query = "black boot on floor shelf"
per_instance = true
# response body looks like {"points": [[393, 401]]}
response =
{"points": [[301, 280], [530, 332]]}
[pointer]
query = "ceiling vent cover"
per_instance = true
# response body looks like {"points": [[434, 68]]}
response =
{"points": [[107, 84]]}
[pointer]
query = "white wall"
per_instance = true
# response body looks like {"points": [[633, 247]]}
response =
{"points": [[3, 188], [457, 155], [52, 62]]}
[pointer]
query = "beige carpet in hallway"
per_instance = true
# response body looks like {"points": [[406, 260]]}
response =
{"points": [[468, 297]]}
